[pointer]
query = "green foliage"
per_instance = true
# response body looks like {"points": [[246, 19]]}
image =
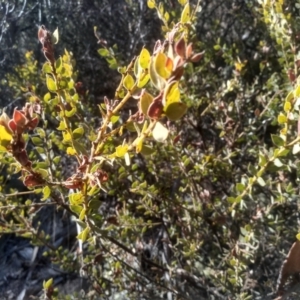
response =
{"points": [[180, 188]]}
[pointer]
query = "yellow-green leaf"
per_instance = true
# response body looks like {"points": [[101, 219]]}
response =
{"points": [[282, 119], [160, 62], [139, 145], [47, 97], [144, 58], [151, 4], [59, 65], [37, 141], [128, 82], [66, 137], [175, 110], [46, 193], [166, 16], [157, 80], [171, 93], [83, 235], [287, 106], [47, 68], [47, 284], [71, 151], [145, 101], [143, 79], [121, 150], [297, 91], [182, 2], [185, 15], [82, 214], [78, 133], [5, 137], [146, 150], [51, 85], [71, 113], [62, 126], [76, 199]]}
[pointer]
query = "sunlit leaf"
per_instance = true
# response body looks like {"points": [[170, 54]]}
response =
{"points": [[143, 79], [128, 82], [47, 284], [70, 113], [182, 2], [121, 150], [51, 85], [282, 118], [55, 36], [160, 132], [185, 15], [71, 151], [171, 93], [156, 79], [47, 68], [160, 62], [144, 58], [151, 4], [5, 137], [46, 193]]}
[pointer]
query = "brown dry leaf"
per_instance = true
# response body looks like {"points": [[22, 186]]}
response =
{"points": [[290, 266]]}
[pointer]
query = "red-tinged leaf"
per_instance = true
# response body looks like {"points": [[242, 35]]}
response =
{"points": [[177, 74], [42, 33], [169, 64], [176, 139], [101, 176], [12, 125], [19, 118], [197, 57], [290, 266], [33, 180], [180, 47], [189, 50], [178, 62], [33, 123], [72, 184], [22, 158], [155, 110], [291, 75]]}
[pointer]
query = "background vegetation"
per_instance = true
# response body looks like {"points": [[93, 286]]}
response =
{"points": [[210, 213]]}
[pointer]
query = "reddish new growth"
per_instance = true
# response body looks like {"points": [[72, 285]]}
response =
{"points": [[22, 121], [45, 38], [76, 181]]}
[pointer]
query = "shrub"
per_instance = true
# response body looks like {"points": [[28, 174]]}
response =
{"points": [[181, 183]]}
